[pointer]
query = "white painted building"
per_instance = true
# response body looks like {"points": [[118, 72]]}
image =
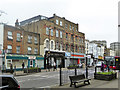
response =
{"points": [[86, 46], [112, 53]]}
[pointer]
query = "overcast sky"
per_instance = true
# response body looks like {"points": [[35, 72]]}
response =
{"points": [[98, 19]]}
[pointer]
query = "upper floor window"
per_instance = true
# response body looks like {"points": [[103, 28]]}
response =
{"points": [[9, 48], [10, 35], [57, 45], [47, 30], [29, 39], [73, 28], [60, 23], [66, 25], [66, 47], [51, 32], [57, 22], [35, 40], [76, 48], [61, 47], [29, 50], [76, 38], [51, 44], [18, 49], [35, 51], [57, 34], [72, 38], [70, 27], [47, 44], [76, 29], [60, 34], [66, 36], [18, 37]]}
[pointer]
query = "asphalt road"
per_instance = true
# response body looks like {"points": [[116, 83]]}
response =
{"points": [[48, 79]]}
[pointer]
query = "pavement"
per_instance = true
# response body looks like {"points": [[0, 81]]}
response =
{"points": [[94, 84], [113, 84]]}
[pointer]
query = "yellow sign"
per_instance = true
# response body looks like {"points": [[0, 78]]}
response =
{"points": [[116, 59]]}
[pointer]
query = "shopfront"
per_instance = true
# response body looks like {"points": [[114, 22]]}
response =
{"points": [[74, 58], [52, 57], [17, 60]]}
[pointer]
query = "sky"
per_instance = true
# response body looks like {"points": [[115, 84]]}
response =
{"points": [[98, 19]]}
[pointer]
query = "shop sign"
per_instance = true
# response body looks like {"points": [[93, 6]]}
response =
{"points": [[32, 57]]}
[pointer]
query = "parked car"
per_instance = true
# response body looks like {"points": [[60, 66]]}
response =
{"points": [[8, 82]]}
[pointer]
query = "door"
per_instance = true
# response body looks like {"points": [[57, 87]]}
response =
{"points": [[31, 63]]}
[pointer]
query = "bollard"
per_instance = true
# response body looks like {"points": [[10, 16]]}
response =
{"points": [[14, 70], [27, 69], [75, 71], [60, 77]]}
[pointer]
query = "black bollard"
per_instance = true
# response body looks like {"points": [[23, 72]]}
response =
{"points": [[60, 77], [75, 71]]}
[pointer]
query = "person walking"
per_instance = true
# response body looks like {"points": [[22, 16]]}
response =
{"points": [[102, 67], [11, 68], [23, 65]]}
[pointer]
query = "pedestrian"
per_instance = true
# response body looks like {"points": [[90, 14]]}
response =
{"points": [[102, 67], [11, 68], [23, 65]]}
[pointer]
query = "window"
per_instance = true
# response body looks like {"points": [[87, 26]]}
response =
{"points": [[72, 48], [76, 38], [76, 48], [60, 34], [76, 29], [47, 30], [18, 49], [66, 26], [72, 38], [35, 51], [35, 40], [51, 44], [29, 50], [9, 47], [29, 39], [79, 49], [57, 34], [47, 44], [66, 47], [66, 36], [70, 27], [60, 23], [10, 35], [61, 46], [73, 28], [18, 36], [57, 45], [51, 32], [57, 21]]}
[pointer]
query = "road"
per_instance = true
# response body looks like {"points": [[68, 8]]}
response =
{"points": [[48, 79]]}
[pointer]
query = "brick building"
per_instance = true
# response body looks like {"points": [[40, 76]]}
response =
{"points": [[19, 46], [58, 36]]}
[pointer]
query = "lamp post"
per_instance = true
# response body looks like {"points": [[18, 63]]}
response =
{"points": [[86, 68]]}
